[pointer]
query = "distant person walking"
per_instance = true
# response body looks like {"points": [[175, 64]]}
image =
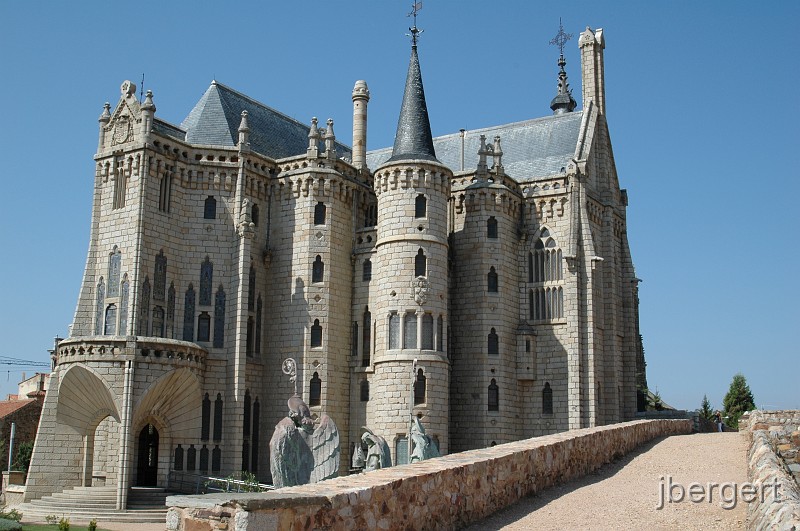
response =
{"points": [[718, 417]]}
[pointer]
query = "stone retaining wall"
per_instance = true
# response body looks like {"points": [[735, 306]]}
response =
{"points": [[444, 493], [774, 443]]}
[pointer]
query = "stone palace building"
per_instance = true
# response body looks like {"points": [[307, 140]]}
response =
{"points": [[496, 258]]}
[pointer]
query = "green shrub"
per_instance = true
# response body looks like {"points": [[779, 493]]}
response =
{"points": [[13, 514], [63, 524], [10, 525], [93, 525]]}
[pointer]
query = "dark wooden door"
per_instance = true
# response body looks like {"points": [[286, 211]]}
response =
{"points": [[147, 475]]}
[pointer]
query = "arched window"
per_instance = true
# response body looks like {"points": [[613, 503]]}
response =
{"points": [[491, 280], [206, 280], [111, 320], [547, 399], [354, 340], [158, 322], [170, 328], [254, 215], [178, 459], [364, 390], [203, 326], [493, 343], [316, 334], [144, 308], [188, 314], [410, 330], [427, 332], [494, 396], [319, 213], [491, 227], [114, 268], [250, 336], [420, 206], [191, 458], [315, 390], [256, 422], [366, 274], [218, 418], [420, 264], [419, 388], [259, 311], [165, 190], [205, 425], [219, 318], [123, 306], [246, 426], [366, 338], [160, 277], [545, 301], [251, 288], [210, 208], [394, 331], [317, 270], [216, 459]]}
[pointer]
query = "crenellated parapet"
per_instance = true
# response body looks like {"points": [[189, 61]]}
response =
{"points": [[404, 176], [487, 199], [315, 183], [170, 352]]}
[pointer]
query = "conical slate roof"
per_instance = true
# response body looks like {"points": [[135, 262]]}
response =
{"points": [[215, 120], [413, 140]]}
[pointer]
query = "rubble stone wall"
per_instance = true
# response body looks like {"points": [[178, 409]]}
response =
{"points": [[772, 457], [443, 493]]}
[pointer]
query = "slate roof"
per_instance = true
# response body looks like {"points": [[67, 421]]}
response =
{"points": [[216, 117], [413, 139], [532, 149]]}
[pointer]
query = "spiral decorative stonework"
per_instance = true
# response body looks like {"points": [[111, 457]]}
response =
{"points": [[422, 289], [289, 368]]}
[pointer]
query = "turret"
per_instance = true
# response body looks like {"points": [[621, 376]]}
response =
{"points": [[148, 113], [360, 100], [411, 306], [592, 44], [104, 119]]}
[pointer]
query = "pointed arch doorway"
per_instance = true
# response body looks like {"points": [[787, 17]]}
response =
{"points": [[147, 470]]}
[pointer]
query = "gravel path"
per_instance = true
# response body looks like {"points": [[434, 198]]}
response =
{"points": [[625, 494]]}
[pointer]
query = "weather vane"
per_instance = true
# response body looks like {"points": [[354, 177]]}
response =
{"points": [[415, 7], [561, 38]]}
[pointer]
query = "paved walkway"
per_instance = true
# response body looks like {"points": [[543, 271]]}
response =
{"points": [[627, 494]]}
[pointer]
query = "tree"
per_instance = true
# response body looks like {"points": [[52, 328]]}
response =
{"points": [[706, 412], [23, 460], [738, 400]]}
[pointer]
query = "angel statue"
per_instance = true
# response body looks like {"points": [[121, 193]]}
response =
{"points": [[301, 454], [378, 455], [423, 446]]}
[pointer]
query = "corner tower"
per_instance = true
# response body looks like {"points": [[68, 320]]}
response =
{"points": [[411, 306]]}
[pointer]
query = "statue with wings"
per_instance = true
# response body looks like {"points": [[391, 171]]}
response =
{"points": [[301, 453]]}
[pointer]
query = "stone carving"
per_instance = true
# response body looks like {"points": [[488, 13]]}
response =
{"points": [[359, 460], [421, 289], [378, 455], [422, 446], [301, 454]]}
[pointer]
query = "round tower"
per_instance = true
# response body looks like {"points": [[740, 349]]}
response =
{"points": [[411, 306], [360, 100]]}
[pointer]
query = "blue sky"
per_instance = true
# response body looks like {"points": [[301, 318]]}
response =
{"points": [[702, 105]]}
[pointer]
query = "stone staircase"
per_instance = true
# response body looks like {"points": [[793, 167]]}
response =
{"points": [[145, 505]]}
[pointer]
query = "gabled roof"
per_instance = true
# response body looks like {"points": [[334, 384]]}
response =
{"points": [[10, 406], [216, 117], [532, 149]]}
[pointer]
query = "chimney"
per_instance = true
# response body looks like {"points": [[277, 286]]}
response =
{"points": [[360, 100]]}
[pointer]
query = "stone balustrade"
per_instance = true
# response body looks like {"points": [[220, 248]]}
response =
{"points": [[774, 438], [443, 493], [139, 349]]}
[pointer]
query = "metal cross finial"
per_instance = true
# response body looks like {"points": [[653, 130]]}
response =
{"points": [[561, 38], [415, 7]]}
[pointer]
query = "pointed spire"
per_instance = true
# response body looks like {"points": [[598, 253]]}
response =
{"points": [[330, 137], [563, 102], [244, 131], [413, 139], [313, 139]]}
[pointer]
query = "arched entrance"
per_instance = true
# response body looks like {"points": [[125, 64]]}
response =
{"points": [[147, 471]]}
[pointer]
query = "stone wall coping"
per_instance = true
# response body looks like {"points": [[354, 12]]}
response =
{"points": [[327, 492]]}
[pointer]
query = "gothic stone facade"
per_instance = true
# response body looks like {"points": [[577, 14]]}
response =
{"points": [[224, 245]]}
